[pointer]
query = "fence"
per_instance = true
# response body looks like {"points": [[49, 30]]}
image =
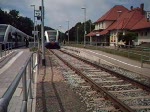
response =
{"points": [[145, 56], [5, 49], [26, 74]]}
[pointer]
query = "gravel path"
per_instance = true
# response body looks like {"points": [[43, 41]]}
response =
{"points": [[53, 92]]}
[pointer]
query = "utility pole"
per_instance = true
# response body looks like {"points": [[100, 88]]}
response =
{"points": [[77, 34], [42, 34], [34, 23], [68, 31], [84, 8]]}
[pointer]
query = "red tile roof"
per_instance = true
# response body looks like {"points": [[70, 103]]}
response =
{"points": [[91, 34], [143, 23], [97, 32], [127, 20], [112, 14]]}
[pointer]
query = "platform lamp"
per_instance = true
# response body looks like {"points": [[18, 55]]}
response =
{"points": [[84, 8], [68, 30], [60, 33], [42, 34], [77, 35], [34, 22]]}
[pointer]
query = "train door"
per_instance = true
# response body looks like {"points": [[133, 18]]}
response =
{"points": [[15, 39]]}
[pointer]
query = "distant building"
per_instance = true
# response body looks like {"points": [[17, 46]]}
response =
{"points": [[120, 20]]}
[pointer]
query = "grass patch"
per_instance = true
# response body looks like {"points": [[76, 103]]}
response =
{"points": [[34, 49]]}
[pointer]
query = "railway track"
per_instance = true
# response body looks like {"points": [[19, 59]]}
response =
{"points": [[104, 90]]}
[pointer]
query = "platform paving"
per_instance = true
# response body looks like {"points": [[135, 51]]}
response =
{"points": [[119, 61], [9, 69]]}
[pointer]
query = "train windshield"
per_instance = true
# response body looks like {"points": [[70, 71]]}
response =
{"points": [[52, 35], [52, 38], [2, 32]]}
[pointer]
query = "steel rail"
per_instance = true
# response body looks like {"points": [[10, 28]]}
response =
{"points": [[117, 102], [134, 82]]}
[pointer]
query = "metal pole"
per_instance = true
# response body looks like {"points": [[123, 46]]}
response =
{"points": [[42, 35], [68, 32], [84, 25], [34, 23], [60, 33], [0, 50], [24, 83], [30, 78], [77, 34]]}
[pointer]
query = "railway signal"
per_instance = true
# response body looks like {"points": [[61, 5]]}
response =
{"points": [[38, 14]]}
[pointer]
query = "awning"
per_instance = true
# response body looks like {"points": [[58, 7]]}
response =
{"points": [[91, 34], [97, 33]]}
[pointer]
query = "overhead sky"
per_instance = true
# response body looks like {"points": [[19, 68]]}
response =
{"points": [[57, 12]]}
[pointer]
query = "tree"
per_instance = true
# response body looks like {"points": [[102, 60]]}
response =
{"points": [[13, 18], [128, 37], [14, 15], [79, 27]]}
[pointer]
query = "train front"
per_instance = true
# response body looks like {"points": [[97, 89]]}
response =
{"points": [[52, 39]]}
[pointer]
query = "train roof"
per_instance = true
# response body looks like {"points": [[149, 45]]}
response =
{"points": [[14, 28], [4, 24]]}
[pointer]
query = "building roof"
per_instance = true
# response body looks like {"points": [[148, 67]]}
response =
{"points": [[112, 14], [127, 20], [133, 19], [95, 33], [91, 34], [142, 24]]}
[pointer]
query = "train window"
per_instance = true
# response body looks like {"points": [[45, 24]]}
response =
{"points": [[2, 32], [19, 38], [52, 38], [2, 29], [9, 37], [1, 38]]}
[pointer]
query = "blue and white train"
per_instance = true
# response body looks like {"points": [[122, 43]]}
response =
{"points": [[11, 36], [52, 39]]}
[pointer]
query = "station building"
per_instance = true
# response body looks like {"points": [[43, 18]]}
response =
{"points": [[120, 20]]}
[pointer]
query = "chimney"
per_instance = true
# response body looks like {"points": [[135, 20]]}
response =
{"points": [[142, 8], [131, 7]]}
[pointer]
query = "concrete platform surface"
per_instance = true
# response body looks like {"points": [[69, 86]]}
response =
{"points": [[8, 72], [111, 59]]}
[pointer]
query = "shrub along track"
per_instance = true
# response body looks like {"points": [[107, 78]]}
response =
{"points": [[103, 89]]}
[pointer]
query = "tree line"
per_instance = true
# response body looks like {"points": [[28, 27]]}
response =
{"points": [[26, 25], [78, 30], [13, 18]]}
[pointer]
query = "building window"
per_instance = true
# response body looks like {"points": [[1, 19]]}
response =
{"points": [[102, 25], [141, 33], [145, 34]]}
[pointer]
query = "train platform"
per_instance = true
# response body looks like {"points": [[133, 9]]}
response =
{"points": [[10, 66], [115, 60]]}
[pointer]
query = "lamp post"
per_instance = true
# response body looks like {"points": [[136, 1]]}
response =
{"points": [[68, 31], [60, 33], [34, 23], [77, 34], [42, 34], [84, 8], [118, 26]]}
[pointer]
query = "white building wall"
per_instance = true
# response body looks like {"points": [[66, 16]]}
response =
{"points": [[103, 25], [143, 36]]}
